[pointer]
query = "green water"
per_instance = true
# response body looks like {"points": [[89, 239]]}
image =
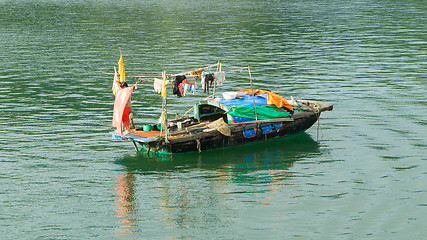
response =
{"points": [[362, 175]]}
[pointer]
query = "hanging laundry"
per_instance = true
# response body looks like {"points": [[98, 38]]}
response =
{"points": [[181, 87], [219, 77], [158, 85], [203, 83], [189, 87], [116, 84], [178, 85], [190, 78], [186, 89], [209, 78], [193, 88], [197, 71]]}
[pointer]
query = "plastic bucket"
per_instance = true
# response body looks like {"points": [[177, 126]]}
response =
{"points": [[147, 128], [229, 95]]}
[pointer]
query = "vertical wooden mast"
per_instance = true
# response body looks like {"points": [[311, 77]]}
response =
{"points": [[253, 94]]}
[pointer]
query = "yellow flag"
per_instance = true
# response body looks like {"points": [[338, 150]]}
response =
{"points": [[122, 69], [164, 85]]}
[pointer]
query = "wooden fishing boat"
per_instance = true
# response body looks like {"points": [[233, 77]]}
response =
{"points": [[229, 119], [206, 130]]}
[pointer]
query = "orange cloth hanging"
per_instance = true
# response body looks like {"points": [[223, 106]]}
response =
{"points": [[122, 107], [197, 71]]}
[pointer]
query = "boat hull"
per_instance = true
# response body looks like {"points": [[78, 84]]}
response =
{"points": [[259, 131]]}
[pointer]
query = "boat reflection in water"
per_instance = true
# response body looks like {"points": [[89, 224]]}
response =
{"points": [[125, 204], [175, 178]]}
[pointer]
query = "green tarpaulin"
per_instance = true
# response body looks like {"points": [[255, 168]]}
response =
{"points": [[266, 112]]}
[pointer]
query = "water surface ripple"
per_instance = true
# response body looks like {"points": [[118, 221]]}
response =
{"points": [[362, 176]]}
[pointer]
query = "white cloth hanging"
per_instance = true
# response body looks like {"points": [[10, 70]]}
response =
{"points": [[158, 85], [219, 77]]}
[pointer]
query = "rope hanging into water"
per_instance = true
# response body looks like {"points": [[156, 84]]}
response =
{"points": [[316, 110]]}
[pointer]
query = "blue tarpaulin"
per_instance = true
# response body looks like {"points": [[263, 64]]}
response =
{"points": [[242, 109]]}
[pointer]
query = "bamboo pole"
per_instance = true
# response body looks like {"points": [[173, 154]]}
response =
{"points": [[171, 75], [141, 75], [253, 95], [187, 111], [164, 107], [235, 70]]}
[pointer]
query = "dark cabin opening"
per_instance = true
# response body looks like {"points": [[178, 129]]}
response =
{"points": [[209, 113]]}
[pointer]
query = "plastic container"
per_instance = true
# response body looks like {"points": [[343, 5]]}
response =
{"points": [[147, 128], [229, 95]]}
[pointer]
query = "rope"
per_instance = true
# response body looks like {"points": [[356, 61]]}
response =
{"points": [[316, 110], [140, 80], [199, 145], [166, 136]]}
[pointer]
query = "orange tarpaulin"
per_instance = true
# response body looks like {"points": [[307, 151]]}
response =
{"points": [[272, 98]]}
